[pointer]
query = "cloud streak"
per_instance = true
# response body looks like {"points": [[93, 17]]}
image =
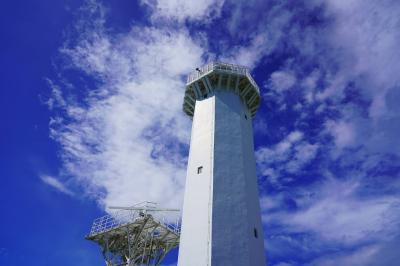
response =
{"points": [[56, 184]]}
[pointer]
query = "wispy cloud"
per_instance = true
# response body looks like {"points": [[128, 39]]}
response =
{"points": [[56, 184], [125, 141], [343, 133], [334, 215], [287, 157], [180, 10], [281, 80]]}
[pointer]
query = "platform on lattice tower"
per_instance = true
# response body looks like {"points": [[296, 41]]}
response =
{"points": [[138, 235]]}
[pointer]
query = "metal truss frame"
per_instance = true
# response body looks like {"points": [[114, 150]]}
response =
{"points": [[135, 237]]}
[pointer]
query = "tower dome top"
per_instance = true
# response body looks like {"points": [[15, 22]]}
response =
{"points": [[202, 82]]}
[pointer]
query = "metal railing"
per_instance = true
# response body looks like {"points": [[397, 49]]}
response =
{"points": [[228, 68], [123, 217]]}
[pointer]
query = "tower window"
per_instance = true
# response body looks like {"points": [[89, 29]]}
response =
{"points": [[245, 116], [255, 233], [199, 169]]}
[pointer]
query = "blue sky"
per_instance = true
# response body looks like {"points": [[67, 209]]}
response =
{"points": [[91, 95]]}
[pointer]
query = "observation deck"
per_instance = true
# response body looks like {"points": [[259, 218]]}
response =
{"points": [[221, 76]]}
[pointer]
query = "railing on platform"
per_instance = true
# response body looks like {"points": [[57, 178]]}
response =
{"points": [[123, 217], [229, 68]]}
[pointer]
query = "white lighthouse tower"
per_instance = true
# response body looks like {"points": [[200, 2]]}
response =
{"points": [[221, 220]]}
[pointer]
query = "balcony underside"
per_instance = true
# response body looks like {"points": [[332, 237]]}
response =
{"points": [[204, 86]]}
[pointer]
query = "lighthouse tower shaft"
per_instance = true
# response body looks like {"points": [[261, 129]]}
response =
{"points": [[221, 223]]}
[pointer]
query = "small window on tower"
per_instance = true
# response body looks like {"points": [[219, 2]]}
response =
{"points": [[255, 233], [245, 116], [199, 169]]}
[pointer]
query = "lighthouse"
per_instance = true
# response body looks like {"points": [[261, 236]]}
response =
{"points": [[221, 219]]}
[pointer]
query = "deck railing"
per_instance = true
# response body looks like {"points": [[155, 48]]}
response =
{"points": [[123, 217], [225, 67]]}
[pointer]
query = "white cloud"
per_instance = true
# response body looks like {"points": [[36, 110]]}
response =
{"points": [[360, 257], [335, 213], [271, 174], [290, 155], [343, 133], [259, 35], [56, 99], [122, 141], [281, 150], [185, 9], [343, 219], [309, 84], [366, 34], [282, 80], [295, 136], [55, 183], [249, 55], [304, 153], [382, 253], [357, 62]]}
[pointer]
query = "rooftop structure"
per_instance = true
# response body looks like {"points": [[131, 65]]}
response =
{"points": [[138, 235]]}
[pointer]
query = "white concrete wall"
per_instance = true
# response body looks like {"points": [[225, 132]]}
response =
{"points": [[221, 205], [196, 228]]}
